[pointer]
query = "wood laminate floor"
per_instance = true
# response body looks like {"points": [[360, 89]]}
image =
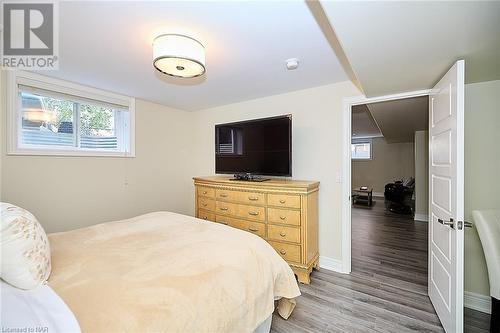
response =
{"points": [[387, 289]]}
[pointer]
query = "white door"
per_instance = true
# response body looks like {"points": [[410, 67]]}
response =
{"points": [[446, 185]]}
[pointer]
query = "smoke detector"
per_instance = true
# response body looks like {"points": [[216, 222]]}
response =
{"points": [[292, 64]]}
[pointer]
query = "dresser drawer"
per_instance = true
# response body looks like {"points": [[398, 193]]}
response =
{"points": [[244, 211], [256, 228], [206, 192], [253, 198], [283, 233], [289, 252], [226, 208], [206, 215], [283, 216], [222, 219], [252, 212], [206, 203], [284, 200]]}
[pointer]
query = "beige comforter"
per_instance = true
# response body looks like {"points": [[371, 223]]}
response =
{"points": [[171, 273]]}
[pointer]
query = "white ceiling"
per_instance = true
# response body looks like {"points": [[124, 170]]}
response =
{"points": [[363, 124], [398, 46], [108, 45], [399, 119]]}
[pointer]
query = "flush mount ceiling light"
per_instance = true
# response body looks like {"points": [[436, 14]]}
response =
{"points": [[178, 55]]}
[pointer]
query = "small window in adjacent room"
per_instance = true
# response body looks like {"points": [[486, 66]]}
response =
{"points": [[52, 117], [361, 150]]}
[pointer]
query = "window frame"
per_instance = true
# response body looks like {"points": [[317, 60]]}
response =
{"points": [[14, 114], [362, 141]]}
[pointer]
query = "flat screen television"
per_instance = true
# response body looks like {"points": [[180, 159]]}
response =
{"points": [[257, 147]]}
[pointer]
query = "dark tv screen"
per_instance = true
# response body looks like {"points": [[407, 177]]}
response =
{"points": [[259, 147]]}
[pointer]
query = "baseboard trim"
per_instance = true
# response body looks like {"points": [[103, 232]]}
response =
{"points": [[331, 264], [477, 302], [421, 217], [379, 195]]}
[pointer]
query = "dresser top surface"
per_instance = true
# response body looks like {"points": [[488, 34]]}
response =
{"points": [[273, 182]]}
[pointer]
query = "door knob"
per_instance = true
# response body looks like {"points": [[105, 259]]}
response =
{"points": [[462, 224], [449, 223]]}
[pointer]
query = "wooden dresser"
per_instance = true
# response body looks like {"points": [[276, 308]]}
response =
{"points": [[283, 212]]}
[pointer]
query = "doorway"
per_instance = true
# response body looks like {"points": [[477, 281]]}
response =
{"points": [[347, 187], [389, 177]]}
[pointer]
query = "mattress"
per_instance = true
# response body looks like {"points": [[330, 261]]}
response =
{"points": [[169, 272]]}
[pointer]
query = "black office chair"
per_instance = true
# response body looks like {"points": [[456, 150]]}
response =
{"points": [[398, 193]]}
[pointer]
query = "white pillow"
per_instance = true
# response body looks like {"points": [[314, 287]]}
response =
{"points": [[24, 247]]}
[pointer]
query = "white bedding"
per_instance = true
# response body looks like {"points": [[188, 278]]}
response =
{"points": [[42, 311], [38, 310], [167, 272]]}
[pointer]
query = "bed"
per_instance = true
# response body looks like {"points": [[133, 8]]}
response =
{"points": [[171, 273]]}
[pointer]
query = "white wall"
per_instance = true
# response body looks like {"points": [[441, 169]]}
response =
{"points": [[482, 172], [421, 175], [390, 162], [70, 192], [317, 145]]}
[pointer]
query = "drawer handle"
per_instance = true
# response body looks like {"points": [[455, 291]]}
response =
{"points": [[253, 213], [283, 252], [223, 195], [253, 198], [205, 217], [282, 234], [283, 217], [205, 192], [223, 208], [282, 201], [253, 229], [222, 222], [204, 204]]}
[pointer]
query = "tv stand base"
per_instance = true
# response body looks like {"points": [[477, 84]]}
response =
{"points": [[248, 177]]}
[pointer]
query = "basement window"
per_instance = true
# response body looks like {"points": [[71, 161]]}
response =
{"points": [[361, 150], [53, 117]]}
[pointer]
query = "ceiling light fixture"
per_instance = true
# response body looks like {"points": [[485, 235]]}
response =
{"points": [[178, 55]]}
